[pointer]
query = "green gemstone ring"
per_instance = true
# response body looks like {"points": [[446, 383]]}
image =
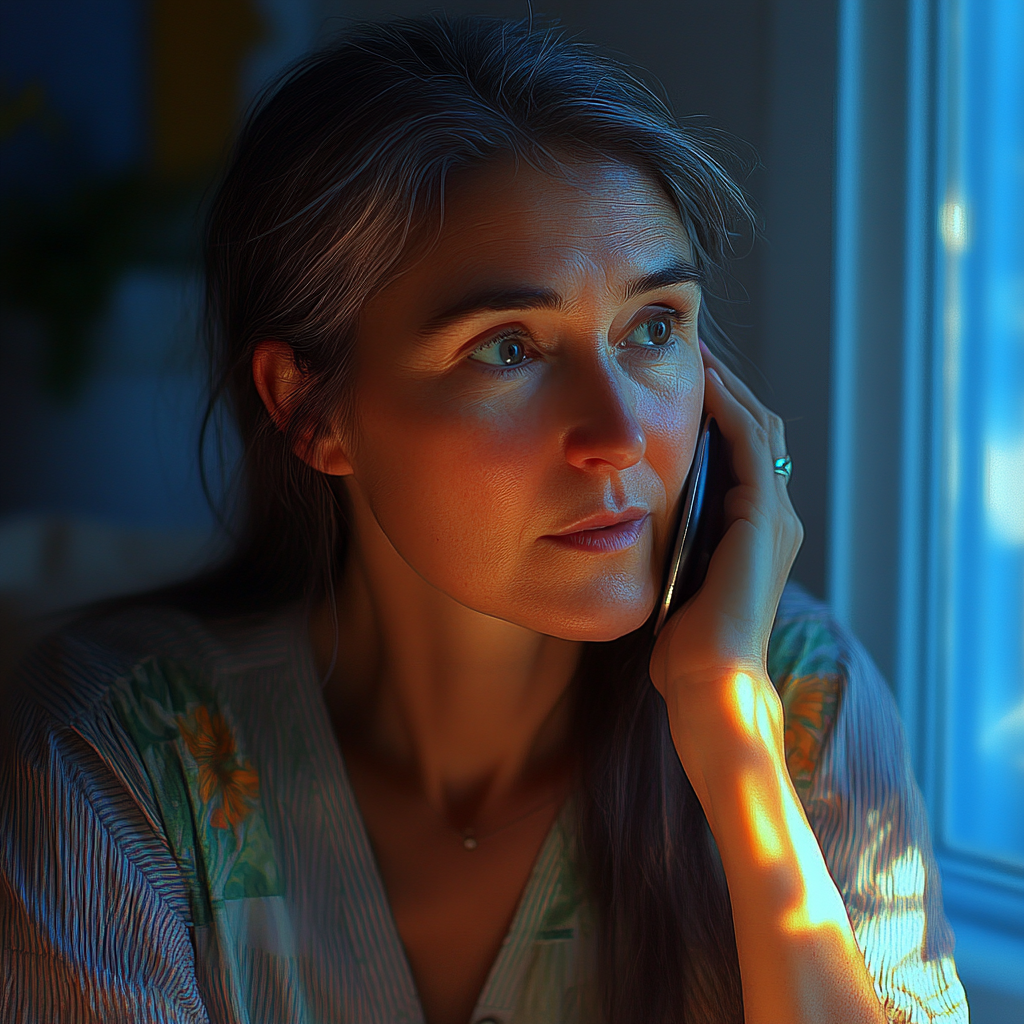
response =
{"points": [[784, 467]]}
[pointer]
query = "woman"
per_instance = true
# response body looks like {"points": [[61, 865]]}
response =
{"points": [[454, 281]]}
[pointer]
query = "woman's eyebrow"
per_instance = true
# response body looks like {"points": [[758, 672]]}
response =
{"points": [[680, 272], [491, 300], [503, 299]]}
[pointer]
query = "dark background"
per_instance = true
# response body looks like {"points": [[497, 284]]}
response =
{"points": [[113, 117]]}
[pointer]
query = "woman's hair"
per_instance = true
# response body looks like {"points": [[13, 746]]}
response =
{"points": [[338, 173]]}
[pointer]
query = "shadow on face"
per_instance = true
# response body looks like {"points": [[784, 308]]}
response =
{"points": [[527, 398]]}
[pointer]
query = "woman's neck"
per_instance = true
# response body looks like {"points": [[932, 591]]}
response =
{"points": [[468, 707]]}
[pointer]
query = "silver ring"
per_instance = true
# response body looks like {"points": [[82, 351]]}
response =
{"points": [[784, 467]]}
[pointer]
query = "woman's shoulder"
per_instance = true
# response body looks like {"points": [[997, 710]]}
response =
{"points": [[139, 720], [841, 720], [122, 752], [75, 669], [805, 637], [809, 643], [808, 661]]}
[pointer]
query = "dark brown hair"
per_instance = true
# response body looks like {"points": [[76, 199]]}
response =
{"points": [[341, 166]]}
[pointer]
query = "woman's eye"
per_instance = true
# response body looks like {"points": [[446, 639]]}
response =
{"points": [[507, 351], [653, 333]]}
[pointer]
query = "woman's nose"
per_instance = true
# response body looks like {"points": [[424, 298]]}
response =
{"points": [[604, 429]]}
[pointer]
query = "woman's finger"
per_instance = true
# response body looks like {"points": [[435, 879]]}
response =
{"points": [[744, 395], [752, 457], [732, 380], [748, 438], [769, 421]]}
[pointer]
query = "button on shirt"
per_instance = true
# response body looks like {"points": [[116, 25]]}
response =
{"points": [[179, 841]]}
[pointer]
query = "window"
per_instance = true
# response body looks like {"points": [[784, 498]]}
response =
{"points": [[979, 434], [927, 544]]}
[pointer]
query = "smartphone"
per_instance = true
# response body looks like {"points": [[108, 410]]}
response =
{"points": [[701, 521]]}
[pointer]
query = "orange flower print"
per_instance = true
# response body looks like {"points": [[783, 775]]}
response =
{"points": [[223, 775], [810, 707]]}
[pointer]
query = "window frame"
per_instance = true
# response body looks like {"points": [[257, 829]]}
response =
{"points": [[886, 571]]}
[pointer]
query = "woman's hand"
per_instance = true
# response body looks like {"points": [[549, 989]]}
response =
{"points": [[710, 660]]}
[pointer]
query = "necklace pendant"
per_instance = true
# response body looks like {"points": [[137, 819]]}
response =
{"points": [[469, 841]]}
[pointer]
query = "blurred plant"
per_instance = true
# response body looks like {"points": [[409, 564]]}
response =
{"points": [[61, 255], [60, 258]]}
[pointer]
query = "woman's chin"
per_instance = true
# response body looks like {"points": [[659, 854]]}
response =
{"points": [[597, 623], [593, 613]]}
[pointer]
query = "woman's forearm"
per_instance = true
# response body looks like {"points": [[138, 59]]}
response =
{"points": [[799, 960]]}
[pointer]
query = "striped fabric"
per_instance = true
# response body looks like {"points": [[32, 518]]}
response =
{"points": [[179, 840]]}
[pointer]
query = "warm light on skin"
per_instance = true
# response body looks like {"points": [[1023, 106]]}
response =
{"points": [[778, 830], [747, 701], [461, 470], [819, 904], [798, 955], [766, 838], [466, 467], [779, 835], [755, 713]]}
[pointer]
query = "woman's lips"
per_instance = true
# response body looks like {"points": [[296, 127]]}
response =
{"points": [[616, 537]]}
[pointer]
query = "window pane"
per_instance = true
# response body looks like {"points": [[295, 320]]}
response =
{"points": [[982, 231]]}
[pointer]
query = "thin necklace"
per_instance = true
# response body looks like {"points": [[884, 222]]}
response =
{"points": [[470, 839]]}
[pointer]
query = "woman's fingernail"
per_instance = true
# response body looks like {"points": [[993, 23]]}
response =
{"points": [[714, 373]]}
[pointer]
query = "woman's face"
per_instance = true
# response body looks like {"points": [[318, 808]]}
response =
{"points": [[532, 378]]}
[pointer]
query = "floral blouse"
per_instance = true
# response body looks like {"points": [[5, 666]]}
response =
{"points": [[179, 841]]}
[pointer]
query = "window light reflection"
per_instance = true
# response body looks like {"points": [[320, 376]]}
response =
{"points": [[1004, 491], [953, 225]]}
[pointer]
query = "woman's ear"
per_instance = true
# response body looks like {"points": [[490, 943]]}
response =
{"points": [[277, 379]]}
